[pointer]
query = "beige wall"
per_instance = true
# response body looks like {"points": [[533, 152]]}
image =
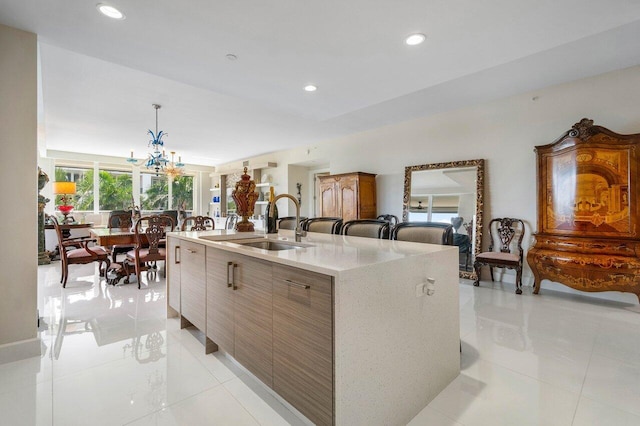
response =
{"points": [[18, 187], [503, 132]]}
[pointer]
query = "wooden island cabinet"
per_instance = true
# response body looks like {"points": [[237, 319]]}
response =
{"points": [[349, 196], [304, 318], [588, 211]]}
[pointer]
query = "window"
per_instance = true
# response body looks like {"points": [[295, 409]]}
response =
{"points": [[83, 177], [444, 208], [154, 192], [182, 193], [116, 190], [434, 208]]}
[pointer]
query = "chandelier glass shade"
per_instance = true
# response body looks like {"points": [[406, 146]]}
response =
{"points": [[157, 159]]}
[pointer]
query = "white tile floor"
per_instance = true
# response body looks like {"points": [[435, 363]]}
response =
{"points": [[110, 357]]}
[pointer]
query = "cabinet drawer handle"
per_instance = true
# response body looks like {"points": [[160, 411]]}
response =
{"points": [[176, 254], [192, 250], [229, 274], [295, 284], [235, 287]]}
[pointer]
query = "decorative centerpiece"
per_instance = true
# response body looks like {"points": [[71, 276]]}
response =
{"points": [[245, 196]]}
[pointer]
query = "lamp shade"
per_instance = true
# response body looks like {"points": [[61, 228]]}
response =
{"points": [[64, 188]]}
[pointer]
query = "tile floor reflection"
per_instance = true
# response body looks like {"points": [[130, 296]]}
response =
{"points": [[110, 357]]}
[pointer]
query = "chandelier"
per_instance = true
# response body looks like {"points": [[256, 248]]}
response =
{"points": [[174, 169], [157, 159]]}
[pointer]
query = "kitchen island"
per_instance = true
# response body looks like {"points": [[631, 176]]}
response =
{"points": [[347, 330]]}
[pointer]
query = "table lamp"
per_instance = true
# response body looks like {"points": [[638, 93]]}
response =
{"points": [[65, 189]]}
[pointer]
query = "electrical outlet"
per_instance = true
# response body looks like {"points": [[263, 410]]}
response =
{"points": [[419, 290], [430, 288]]}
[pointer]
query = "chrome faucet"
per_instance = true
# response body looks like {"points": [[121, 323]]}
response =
{"points": [[299, 232]]}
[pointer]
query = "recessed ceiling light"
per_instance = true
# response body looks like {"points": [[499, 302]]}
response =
{"points": [[310, 88], [415, 39], [231, 56], [109, 11]]}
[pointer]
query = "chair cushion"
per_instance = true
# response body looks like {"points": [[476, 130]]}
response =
{"points": [[144, 253], [368, 230], [77, 253], [498, 257], [323, 227], [421, 234]]}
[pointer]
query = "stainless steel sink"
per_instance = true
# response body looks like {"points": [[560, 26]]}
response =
{"points": [[271, 245]]}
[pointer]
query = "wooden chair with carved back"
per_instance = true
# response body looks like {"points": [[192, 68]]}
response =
{"points": [[198, 223], [77, 251], [120, 220], [506, 235], [150, 249]]}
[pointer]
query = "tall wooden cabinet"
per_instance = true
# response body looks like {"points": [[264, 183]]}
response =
{"points": [[348, 195], [588, 211]]}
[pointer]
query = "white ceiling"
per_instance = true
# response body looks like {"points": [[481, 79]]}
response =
{"points": [[101, 76]]}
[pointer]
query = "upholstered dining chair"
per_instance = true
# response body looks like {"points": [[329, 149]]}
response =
{"points": [[150, 249], [423, 232], [392, 219], [324, 225], [82, 254], [370, 228], [119, 219], [230, 221], [198, 223], [289, 222], [506, 235]]}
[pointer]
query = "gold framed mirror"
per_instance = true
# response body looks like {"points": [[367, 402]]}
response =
{"points": [[450, 193]]}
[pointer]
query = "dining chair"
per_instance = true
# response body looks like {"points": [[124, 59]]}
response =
{"points": [[423, 232], [324, 225], [289, 222], [122, 220], [149, 250], [370, 228], [82, 254], [230, 221], [503, 232], [392, 219], [200, 223]]}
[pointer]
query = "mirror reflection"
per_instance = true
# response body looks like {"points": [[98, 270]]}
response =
{"points": [[448, 193]]}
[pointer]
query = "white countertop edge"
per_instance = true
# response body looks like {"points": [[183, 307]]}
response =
{"points": [[365, 250]]}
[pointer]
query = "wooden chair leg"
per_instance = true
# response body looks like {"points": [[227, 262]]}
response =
{"points": [[138, 273], [519, 280], [491, 272]]}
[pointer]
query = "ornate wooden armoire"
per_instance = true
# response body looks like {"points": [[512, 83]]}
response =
{"points": [[588, 211], [349, 196]]}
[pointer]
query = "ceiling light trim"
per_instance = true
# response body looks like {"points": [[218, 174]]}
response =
{"points": [[110, 11], [415, 39]]}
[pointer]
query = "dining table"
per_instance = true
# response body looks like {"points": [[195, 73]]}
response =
{"points": [[110, 237]]}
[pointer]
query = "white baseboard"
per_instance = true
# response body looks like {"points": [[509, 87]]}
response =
{"points": [[20, 350]]}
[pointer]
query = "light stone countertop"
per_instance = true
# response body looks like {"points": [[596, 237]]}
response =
{"points": [[323, 253]]}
